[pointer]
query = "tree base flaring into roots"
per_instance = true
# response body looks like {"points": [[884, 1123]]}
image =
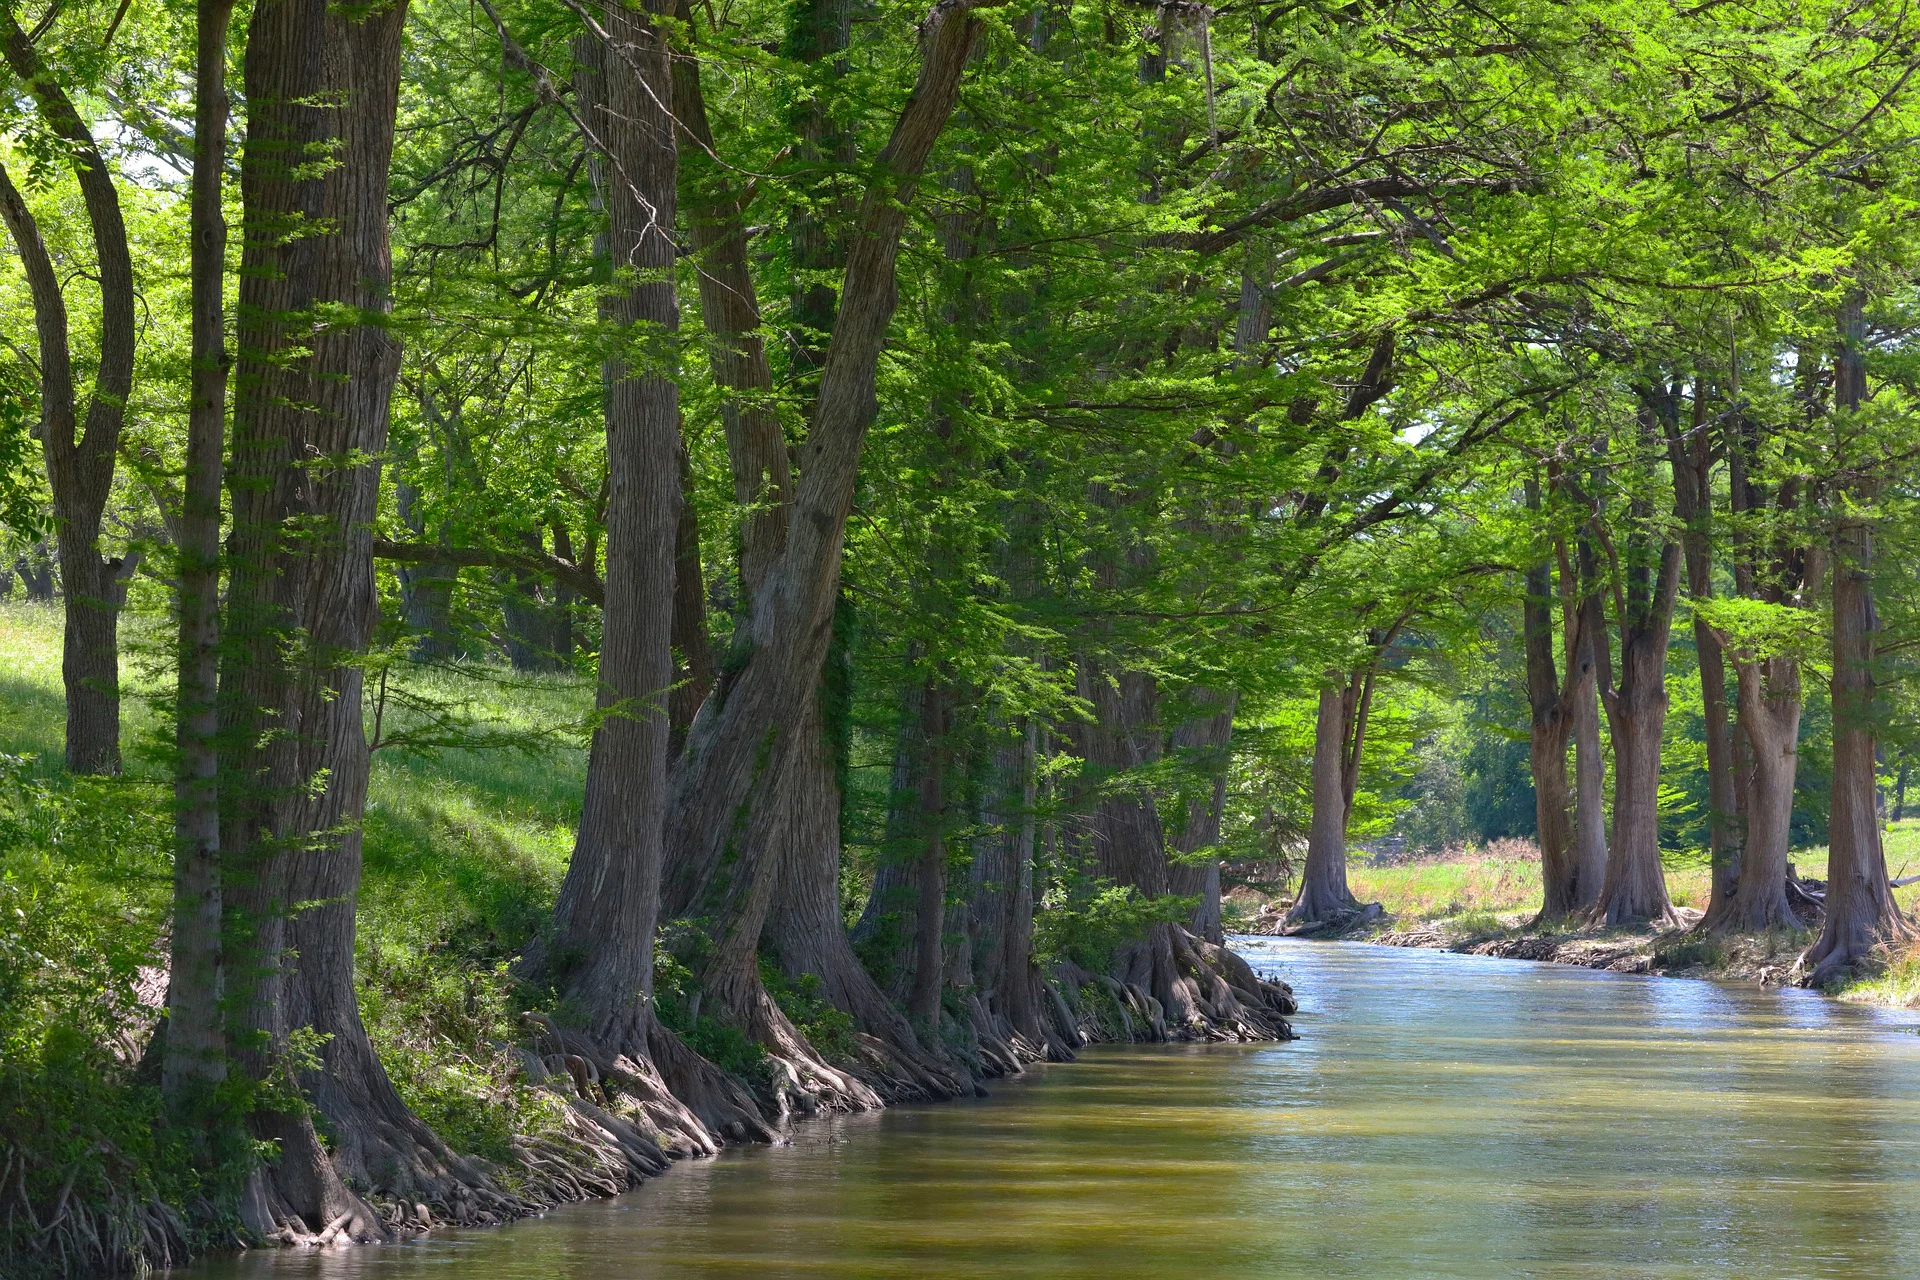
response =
{"points": [[632, 1109], [1174, 985]]}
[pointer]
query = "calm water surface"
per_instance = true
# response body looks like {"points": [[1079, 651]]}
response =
{"points": [[1441, 1116]]}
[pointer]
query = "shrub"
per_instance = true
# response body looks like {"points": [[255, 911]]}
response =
{"points": [[1109, 917]]}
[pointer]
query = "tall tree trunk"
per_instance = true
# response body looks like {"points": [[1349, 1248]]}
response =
{"points": [[694, 667], [1550, 725], [1645, 593], [602, 947], [923, 997], [1769, 694], [1207, 737], [1589, 760], [302, 567], [804, 923], [1861, 912], [791, 622], [1324, 895], [79, 471], [1692, 462], [196, 1056], [426, 589], [1636, 883], [1018, 977]]}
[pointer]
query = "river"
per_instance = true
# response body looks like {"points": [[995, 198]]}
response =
{"points": [[1441, 1116]]}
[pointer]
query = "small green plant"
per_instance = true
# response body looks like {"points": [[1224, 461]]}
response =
{"points": [[828, 1029], [720, 1043], [1106, 918]]}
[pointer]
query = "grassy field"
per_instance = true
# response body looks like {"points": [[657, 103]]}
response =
{"points": [[1498, 880]]}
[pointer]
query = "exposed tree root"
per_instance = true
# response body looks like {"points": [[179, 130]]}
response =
{"points": [[87, 1233], [1175, 985], [675, 1103], [892, 1062], [801, 1080]]}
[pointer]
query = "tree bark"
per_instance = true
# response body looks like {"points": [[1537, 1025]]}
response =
{"points": [[196, 1055], [1692, 462], [602, 948], [1550, 725], [930, 919], [79, 471], [1324, 895], [694, 667], [792, 614], [302, 572], [1645, 594], [1861, 912], [1769, 695], [1636, 887], [803, 924], [1208, 736]]}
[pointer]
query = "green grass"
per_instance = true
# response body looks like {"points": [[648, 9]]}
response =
{"points": [[464, 850], [1501, 880]]}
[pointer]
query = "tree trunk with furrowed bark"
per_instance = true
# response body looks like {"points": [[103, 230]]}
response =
{"points": [[310, 422], [1862, 915]]}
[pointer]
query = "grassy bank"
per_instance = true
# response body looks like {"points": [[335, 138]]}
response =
{"points": [[464, 851], [1481, 899]]}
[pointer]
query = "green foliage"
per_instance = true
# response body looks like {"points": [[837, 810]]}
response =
{"points": [[443, 1026], [83, 901], [827, 1028], [720, 1043], [1089, 924], [1691, 952]]}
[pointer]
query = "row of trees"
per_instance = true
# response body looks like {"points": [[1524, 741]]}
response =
{"points": [[1042, 395]]}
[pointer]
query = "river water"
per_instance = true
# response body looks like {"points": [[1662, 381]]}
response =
{"points": [[1441, 1116]]}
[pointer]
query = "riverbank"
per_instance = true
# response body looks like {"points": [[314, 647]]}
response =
{"points": [[1482, 901], [470, 820], [1461, 1118]]}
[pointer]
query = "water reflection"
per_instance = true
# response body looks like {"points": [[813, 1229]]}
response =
{"points": [[1443, 1116]]}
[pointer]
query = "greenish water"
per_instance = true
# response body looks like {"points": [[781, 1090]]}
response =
{"points": [[1441, 1116]]}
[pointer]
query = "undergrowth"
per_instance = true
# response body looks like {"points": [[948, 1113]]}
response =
{"points": [[91, 1178], [1087, 923]]}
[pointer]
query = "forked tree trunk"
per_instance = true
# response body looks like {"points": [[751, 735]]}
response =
{"points": [[804, 923], [1774, 568], [1636, 883], [196, 1053], [726, 761], [79, 470], [1692, 462]]}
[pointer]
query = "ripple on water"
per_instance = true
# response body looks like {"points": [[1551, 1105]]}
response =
{"points": [[1442, 1116]]}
